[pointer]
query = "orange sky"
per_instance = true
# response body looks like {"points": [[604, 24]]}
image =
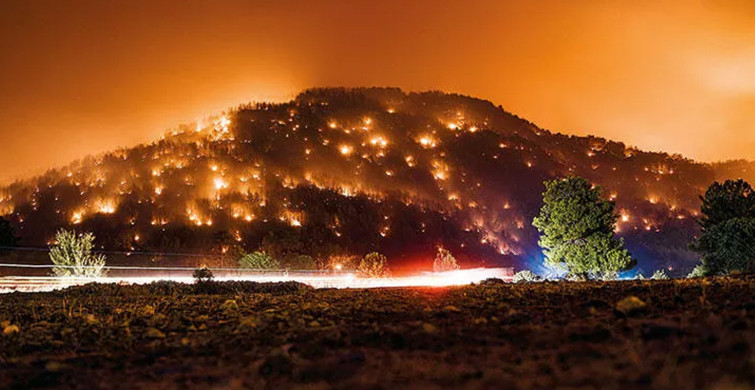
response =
{"points": [[86, 76]]}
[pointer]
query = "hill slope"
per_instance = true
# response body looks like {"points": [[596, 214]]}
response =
{"points": [[339, 172]]}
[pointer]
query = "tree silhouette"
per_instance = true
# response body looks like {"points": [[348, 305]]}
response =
{"points": [[724, 201], [8, 236]]}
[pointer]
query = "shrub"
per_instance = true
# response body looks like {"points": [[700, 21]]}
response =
{"points": [[374, 265], [72, 255], [301, 262], [699, 271], [203, 275], [444, 261], [576, 228], [526, 276], [659, 275], [492, 282], [258, 260]]}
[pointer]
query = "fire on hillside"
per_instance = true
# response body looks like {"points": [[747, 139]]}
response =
{"points": [[340, 172]]}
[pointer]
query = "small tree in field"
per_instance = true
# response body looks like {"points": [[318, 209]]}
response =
{"points": [[258, 260], [203, 275], [72, 255], [698, 272], [374, 265], [576, 228], [444, 261], [660, 275]]}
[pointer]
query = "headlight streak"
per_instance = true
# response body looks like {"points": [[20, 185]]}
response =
{"points": [[317, 279]]}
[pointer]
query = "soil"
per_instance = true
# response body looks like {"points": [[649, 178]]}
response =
{"points": [[668, 334]]}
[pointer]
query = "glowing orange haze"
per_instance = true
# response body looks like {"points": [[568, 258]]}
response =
{"points": [[85, 76]]}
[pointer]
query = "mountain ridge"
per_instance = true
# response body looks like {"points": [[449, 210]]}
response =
{"points": [[338, 172]]}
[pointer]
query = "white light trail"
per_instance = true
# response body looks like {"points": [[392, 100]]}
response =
{"points": [[317, 279]]}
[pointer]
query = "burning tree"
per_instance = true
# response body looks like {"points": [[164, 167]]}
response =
{"points": [[72, 255], [444, 261], [576, 228], [374, 265]]}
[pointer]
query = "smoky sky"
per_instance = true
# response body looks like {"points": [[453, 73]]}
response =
{"points": [[81, 77]]}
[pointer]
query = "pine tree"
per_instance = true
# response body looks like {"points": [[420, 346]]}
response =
{"points": [[576, 228], [728, 247], [727, 224], [724, 201]]}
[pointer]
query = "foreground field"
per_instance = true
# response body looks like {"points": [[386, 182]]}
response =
{"points": [[688, 334]]}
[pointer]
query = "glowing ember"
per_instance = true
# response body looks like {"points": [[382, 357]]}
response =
{"points": [[106, 207], [220, 183], [427, 141], [379, 141], [77, 217]]}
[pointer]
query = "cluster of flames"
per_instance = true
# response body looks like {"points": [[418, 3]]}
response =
{"points": [[197, 171]]}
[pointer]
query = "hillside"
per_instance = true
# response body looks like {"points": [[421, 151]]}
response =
{"points": [[337, 173]]}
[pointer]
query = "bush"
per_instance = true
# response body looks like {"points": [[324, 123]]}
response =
{"points": [[700, 271], [203, 275], [301, 263], [444, 261], [72, 255], [576, 228], [492, 282], [258, 260], [526, 276], [374, 265], [660, 275]]}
